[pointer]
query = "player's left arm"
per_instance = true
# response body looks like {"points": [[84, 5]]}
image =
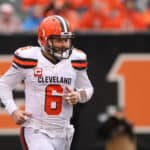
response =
{"points": [[83, 86], [83, 90]]}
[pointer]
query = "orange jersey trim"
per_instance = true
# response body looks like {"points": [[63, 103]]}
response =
{"points": [[79, 64], [24, 62]]}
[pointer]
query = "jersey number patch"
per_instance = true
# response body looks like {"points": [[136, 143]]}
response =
{"points": [[53, 99]]}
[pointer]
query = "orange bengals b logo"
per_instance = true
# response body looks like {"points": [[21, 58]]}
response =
{"points": [[132, 72]]}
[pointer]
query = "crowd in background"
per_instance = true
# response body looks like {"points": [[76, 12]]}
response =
{"points": [[99, 15]]}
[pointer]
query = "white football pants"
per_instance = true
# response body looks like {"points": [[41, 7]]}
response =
{"points": [[32, 139]]}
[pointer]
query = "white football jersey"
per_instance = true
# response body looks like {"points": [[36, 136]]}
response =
{"points": [[45, 84]]}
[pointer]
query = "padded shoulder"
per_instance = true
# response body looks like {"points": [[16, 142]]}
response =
{"points": [[25, 57], [79, 59]]}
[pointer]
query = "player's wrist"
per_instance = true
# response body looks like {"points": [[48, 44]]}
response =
{"points": [[14, 112], [81, 94], [11, 108], [78, 96]]}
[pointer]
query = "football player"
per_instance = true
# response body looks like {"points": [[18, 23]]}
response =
{"points": [[55, 78]]}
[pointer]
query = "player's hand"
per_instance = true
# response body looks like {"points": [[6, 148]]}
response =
{"points": [[71, 96], [20, 116]]}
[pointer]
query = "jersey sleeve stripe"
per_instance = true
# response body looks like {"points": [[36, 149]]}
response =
{"points": [[24, 62], [79, 64]]}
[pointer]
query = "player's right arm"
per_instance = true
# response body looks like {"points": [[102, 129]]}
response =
{"points": [[8, 82]]}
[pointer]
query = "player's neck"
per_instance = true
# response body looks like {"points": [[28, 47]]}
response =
{"points": [[50, 58]]}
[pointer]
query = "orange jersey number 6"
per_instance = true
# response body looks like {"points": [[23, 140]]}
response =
{"points": [[53, 99]]}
